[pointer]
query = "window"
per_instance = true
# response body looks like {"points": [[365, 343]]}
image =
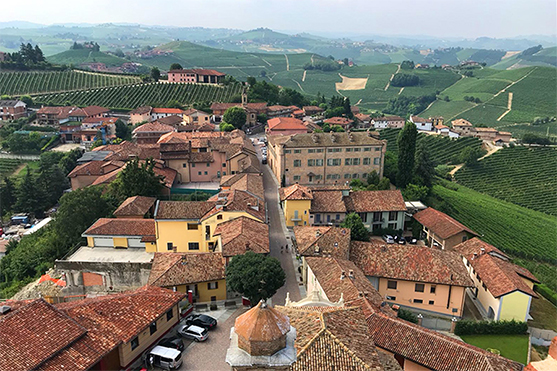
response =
{"points": [[153, 328], [192, 226], [391, 285], [484, 286], [212, 285], [287, 151], [169, 315], [296, 178], [355, 176], [318, 177], [348, 149], [363, 216], [392, 298], [346, 176], [199, 173], [391, 226], [355, 161], [367, 149], [347, 161], [364, 175], [193, 246], [192, 165], [206, 173], [367, 161], [431, 302], [319, 150], [432, 289], [392, 215], [377, 161], [418, 301], [169, 246], [223, 164], [377, 216], [377, 149], [135, 342], [334, 162], [311, 150], [337, 217], [208, 164], [467, 263], [184, 165], [315, 162], [219, 217], [454, 310], [297, 163], [464, 238], [297, 151], [419, 287]]}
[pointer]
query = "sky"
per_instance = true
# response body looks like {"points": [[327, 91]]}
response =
{"points": [[440, 18]]}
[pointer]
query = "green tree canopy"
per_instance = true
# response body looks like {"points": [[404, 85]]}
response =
{"points": [[414, 192], [123, 131], [255, 276], [406, 151], [155, 74], [176, 66], [358, 231], [137, 179], [425, 168], [235, 116], [470, 155], [224, 126]]}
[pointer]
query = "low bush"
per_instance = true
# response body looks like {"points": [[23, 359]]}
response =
{"points": [[407, 315], [512, 327]]}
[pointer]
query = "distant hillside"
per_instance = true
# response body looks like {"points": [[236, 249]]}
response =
{"points": [[544, 58], [80, 56]]}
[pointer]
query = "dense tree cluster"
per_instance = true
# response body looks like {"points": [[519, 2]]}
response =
{"points": [[403, 105], [262, 91], [93, 46], [28, 57], [407, 65], [322, 64], [405, 79]]}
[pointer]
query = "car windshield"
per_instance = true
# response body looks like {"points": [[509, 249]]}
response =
{"points": [[205, 318]]}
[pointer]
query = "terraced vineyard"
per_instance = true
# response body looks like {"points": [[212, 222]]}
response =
{"points": [[442, 150], [133, 96], [20, 83], [524, 176], [8, 166]]}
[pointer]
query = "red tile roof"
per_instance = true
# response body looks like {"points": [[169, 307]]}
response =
{"points": [[499, 275], [108, 177], [121, 227], [175, 269], [135, 206], [243, 234], [327, 202], [237, 200], [410, 263], [286, 123], [168, 110], [153, 127], [295, 192], [342, 121], [94, 110], [323, 241], [141, 110], [190, 210], [440, 223], [371, 201], [251, 183]]}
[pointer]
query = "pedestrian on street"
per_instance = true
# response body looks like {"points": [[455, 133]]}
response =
{"points": [[281, 249], [286, 247]]}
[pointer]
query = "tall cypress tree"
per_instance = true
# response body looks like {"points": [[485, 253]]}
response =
{"points": [[406, 152], [425, 168]]}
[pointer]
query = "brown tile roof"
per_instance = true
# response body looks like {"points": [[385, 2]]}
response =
{"points": [[121, 227], [237, 200], [460, 122], [342, 121], [174, 269], [499, 275], [175, 111], [323, 241], [172, 120], [88, 168], [285, 123], [312, 109], [243, 234], [440, 223], [141, 110], [325, 140], [262, 323], [94, 110], [389, 118], [410, 263], [45, 330], [278, 107], [135, 206], [419, 119], [295, 192], [486, 130], [153, 127], [327, 202], [432, 349], [108, 177], [199, 157], [371, 201], [191, 210]]}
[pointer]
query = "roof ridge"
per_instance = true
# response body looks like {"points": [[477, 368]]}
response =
{"points": [[341, 343], [313, 339]]}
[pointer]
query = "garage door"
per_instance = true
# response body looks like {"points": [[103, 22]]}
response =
{"points": [[107, 242], [135, 242]]}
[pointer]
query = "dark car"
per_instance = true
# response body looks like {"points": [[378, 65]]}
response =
{"points": [[201, 320], [400, 240], [172, 342]]}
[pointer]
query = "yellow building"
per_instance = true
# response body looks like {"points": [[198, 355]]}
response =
{"points": [[417, 277], [201, 273], [503, 290], [122, 232], [195, 117], [296, 204]]}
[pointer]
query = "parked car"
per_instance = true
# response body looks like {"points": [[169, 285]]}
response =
{"points": [[166, 358], [173, 342], [413, 241], [201, 320], [193, 332], [400, 240], [388, 238], [264, 160]]}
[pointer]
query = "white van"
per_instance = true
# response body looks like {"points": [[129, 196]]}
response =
{"points": [[167, 358]]}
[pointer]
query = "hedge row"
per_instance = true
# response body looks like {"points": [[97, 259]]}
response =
{"points": [[547, 293], [512, 327]]}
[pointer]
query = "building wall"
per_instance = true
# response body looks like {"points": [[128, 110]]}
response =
{"points": [[146, 340], [214, 220], [204, 294], [287, 132], [515, 305], [326, 218], [446, 244], [405, 294], [183, 175], [486, 300], [384, 223], [137, 118], [177, 233], [199, 119], [313, 284], [301, 207], [120, 242]]}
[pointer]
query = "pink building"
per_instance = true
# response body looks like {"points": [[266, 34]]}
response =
{"points": [[196, 76], [285, 126]]}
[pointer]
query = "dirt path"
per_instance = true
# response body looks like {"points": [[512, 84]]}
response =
{"points": [[304, 76], [297, 83], [401, 89], [287, 63], [391, 79], [509, 106], [360, 101], [491, 149], [456, 168]]}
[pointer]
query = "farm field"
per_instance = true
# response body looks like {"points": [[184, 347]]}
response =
{"points": [[133, 96], [79, 56], [442, 150], [524, 176], [21, 83], [513, 347], [8, 166]]}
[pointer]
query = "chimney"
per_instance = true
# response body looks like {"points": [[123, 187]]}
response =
{"points": [[475, 256], [333, 137], [420, 319], [482, 251], [453, 325], [5, 309], [343, 275], [317, 249], [351, 274]]}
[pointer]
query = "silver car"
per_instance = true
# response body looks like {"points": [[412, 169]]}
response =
{"points": [[193, 332]]}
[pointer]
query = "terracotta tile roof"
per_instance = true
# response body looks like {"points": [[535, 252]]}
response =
{"points": [[312, 109], [121, 227], [499, 275], [251, 183], [371, 201], [440, 223], [168, 111], [141, 110], [357, 291], [174, 269], [172, 120], [432, 349], [236, 200], [88, 168], [486, 130], [262, 323], [410, 263], [362, 117], [323, 241], [548, 364], [46, 331], [295, 192], [243, 234], [126, 150], [328, 202], [191, 210], [285, 123], [460, 122], [342, 121], [325, 140], [153, 127], [94, 110], [135, 206], [107, 178], [277, 108], [418, 119], [441, 127], [388, 118], [199, 157]]}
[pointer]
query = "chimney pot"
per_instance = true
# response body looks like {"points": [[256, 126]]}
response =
{"points": [[343, 275], [351, 273]]}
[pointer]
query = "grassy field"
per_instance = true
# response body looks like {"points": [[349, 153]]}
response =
{"points": [[442, 150], [544, 314], [524, 176], [133, 96], [79, 56], [20, 83], [8, 166], [513, 347]]}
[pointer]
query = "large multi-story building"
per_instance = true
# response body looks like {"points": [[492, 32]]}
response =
{"points": [[196, 76], [12, 109], [325, 158]]}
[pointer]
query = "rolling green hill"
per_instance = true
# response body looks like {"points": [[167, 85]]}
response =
{"points": [[80, 56], [545, 58]]}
